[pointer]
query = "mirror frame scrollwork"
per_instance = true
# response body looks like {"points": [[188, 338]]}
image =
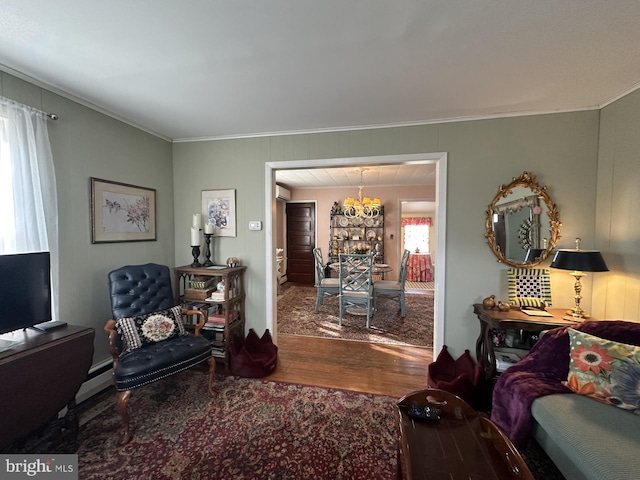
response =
{"points": [[526, 180]]}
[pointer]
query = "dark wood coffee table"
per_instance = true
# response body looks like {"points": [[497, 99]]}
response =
{"points": [[462, 444]]}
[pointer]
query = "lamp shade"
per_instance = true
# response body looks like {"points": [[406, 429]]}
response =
{"points": [[533, 254], [579, 260]]}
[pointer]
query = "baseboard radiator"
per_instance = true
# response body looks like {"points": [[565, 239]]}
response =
{"points": [[100, 377]]}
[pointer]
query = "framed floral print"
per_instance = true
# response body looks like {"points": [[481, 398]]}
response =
{"points": [[121, 212], [219, 209]]}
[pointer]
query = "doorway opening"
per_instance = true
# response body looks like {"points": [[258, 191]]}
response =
{"points": [[418, 234], [438, 159]]}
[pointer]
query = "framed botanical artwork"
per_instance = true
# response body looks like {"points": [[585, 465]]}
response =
{"points": [[122, 212], [219, 209]]}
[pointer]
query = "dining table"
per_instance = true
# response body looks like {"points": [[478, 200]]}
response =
{"points": [[419, 268], [377, 268]]}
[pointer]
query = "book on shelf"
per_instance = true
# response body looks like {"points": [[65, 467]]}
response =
{"points": [[197, 293], [218, 320], [505, 360], [200, 283], [216, 296], [194, 305]]}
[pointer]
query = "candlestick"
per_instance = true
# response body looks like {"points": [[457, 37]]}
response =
{"points": [[197, 220], [195, 236], [207, 250], [195, 251], [208, 228]]}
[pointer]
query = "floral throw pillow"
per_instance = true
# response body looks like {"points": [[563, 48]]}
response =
{"points": [[604, 370], [151, 328]]}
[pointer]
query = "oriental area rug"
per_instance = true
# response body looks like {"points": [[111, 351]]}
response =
{"points": [[297, 316], [252, 429]]}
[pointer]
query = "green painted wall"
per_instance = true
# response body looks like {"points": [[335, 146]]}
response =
{"points": [[561, 149], [87, 144], [617, 293]]}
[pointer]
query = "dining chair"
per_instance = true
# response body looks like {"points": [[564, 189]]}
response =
{"points": [[356, 286], [391, 288], [324, 285]]}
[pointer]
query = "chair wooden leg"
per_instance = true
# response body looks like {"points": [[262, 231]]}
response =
{"points": [[212, 372], [402, 309], [122, 400]]}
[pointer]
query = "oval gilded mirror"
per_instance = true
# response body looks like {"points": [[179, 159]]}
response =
{"points": [[522, 225]]}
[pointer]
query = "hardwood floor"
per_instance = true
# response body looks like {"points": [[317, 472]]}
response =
{"points": [[392, 370]]}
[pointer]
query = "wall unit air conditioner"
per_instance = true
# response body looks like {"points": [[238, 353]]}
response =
{"points": [[282, 193]]}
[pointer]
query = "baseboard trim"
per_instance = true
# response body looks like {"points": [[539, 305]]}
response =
{"points": [[96, 383]]}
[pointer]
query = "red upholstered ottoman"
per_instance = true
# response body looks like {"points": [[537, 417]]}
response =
{"points": [[460, 377], [253, 357]]}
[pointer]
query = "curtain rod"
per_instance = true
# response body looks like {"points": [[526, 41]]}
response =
{"points": [[52, 116]]}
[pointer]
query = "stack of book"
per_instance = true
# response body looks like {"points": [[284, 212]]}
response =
{"points": [[216, 296], [504, 360]]}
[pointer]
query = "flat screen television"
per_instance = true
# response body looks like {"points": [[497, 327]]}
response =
{"points": [[25, 290]]}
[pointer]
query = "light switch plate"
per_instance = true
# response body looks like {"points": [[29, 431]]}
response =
{"points": [[255, 225]]}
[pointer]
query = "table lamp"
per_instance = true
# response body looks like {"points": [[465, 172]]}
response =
{"points": [[579, 262]]}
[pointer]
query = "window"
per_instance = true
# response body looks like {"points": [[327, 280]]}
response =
{"points": [[28, 216], [7, 217], [416, 233]]}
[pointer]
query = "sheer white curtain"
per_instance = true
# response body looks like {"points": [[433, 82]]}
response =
{"points": [[416, 233], [28, 199]]}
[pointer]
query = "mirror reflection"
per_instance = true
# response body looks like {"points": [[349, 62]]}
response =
{"points": [[522, 223]]}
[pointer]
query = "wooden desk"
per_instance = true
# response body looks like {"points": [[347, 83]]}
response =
{"points": [[513, 319], [419, 268], [40, 376], [462, 444]]}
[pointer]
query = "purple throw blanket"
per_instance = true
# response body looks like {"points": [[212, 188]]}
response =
{"points": [[541, 373]]}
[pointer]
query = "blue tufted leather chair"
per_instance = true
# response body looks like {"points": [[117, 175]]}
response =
{"points": [[140, 290]]}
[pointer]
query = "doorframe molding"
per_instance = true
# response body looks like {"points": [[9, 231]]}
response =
{"points": [[438, 158]]}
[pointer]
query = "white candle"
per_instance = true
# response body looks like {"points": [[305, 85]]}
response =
{"points": [[197, 220], [195, 236], [208, 228]]}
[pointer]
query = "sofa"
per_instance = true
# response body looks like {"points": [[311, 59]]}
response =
{"points": [[585, 438]]}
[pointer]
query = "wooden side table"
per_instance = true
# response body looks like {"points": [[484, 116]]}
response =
{"points": [[513, 319], [39, 376], [232, 303], [461, 444]]}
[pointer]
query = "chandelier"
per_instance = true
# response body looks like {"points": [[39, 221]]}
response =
{"points": [[362, 206]]}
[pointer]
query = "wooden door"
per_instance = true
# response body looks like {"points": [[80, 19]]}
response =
{"points": [[301, 231]]}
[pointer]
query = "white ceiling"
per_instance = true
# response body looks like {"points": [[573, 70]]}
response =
{"points": [[217, 69], [371, 175]]}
